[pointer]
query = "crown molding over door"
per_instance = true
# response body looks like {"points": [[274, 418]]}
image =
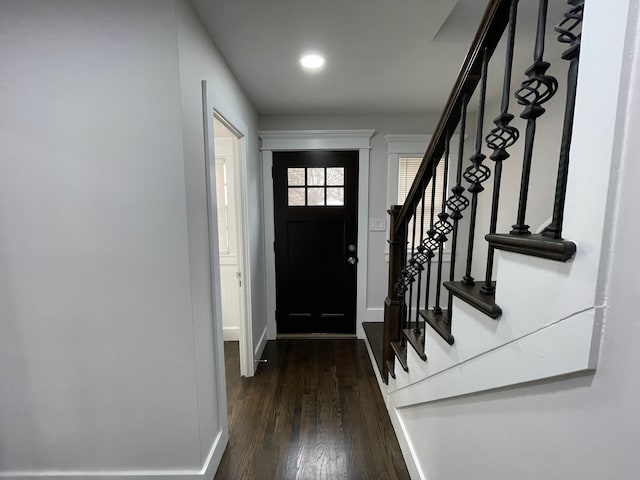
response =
{"points": [[291, 140]]}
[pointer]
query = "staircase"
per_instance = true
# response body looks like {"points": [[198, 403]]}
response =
{"points": [[489, 352], [516, 303]]}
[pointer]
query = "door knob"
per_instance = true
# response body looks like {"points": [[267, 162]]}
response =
{"points": [[352, 260]]}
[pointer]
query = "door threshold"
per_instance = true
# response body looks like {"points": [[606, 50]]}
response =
{"points": [[315, 336]]}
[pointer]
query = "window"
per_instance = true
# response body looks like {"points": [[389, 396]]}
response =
{"points": [[405, 155], [315, 187], [407, 170]]}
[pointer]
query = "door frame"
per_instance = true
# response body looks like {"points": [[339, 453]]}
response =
{"points": [[211, 110], [297, 140]]}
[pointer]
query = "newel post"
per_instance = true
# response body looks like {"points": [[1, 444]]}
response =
{"points": [[393, 303]]}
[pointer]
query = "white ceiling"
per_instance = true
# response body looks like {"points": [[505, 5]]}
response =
{"points": [[383, 56]]}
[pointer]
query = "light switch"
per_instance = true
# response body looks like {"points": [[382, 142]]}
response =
{"points": [[377, 225]]}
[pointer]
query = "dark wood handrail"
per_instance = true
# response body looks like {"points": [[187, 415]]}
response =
{"points": [[492, 26]]}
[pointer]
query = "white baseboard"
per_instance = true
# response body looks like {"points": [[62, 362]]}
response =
{"points": [[231, 334], [406, 447], [215, 456], [381, 384], [257, 353], [207, 472]]}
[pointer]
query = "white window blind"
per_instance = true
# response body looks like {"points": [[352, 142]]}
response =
{"points": [[222, 203], [407, 170]]}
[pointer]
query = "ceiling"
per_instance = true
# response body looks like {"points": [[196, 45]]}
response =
{"points": [[383, 56]]}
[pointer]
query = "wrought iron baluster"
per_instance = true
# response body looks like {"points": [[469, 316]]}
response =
{"points": [[534, 92], [431, 242], [414, 267], [416, 329], [499, 139], [567, 30], [401, 285], [443, 226], [476, 173], [457, 202]]}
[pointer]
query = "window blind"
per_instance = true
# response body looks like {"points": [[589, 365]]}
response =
{"points": [[407, 170], [221, 202]]}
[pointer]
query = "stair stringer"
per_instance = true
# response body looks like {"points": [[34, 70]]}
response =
{"points": [[567, 346], [540, 354], [535, 294]]}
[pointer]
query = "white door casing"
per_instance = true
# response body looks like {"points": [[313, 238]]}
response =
{"points": [[247, 364], [292, 140]]}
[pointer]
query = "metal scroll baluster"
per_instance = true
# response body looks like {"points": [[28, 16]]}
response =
{"points": [[401, 286], [413, 267], [418, 257], [567, 30], [499, 139], [534, 92], [430, 243], [476, 173], [407, 279], [457, 202], [443, 226]]}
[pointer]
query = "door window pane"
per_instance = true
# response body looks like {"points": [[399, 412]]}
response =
{"points": [[315, 176], [296, 197], [335, 196], [335, 176], [315, 196], [295, 176]]}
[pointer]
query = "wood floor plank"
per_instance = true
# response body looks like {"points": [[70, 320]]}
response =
{"points": [[312, 412]]}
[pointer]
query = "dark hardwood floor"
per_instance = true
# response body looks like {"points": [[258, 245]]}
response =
{"points": [[313, 411]]}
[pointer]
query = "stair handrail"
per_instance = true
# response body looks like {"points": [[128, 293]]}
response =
{"points": [[493, 24]]}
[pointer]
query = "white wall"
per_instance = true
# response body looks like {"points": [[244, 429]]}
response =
{"points": [[109, 348], [383, 124], [199, 60]]}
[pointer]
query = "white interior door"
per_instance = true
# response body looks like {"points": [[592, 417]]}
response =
{"points": [[230, 212], [230, 272]]}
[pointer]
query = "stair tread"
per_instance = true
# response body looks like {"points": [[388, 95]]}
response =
{"points": [[440, 323], [416, 340], [390, 369], [400, 350], [374, 332], [472, 295], [535, 245]]}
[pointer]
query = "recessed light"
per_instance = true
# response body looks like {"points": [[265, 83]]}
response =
{"points": [[312, 61]]}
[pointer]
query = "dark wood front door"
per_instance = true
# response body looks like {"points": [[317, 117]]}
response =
{"points": [[316, 210]]}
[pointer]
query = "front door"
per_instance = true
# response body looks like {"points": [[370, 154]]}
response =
{"points": [[316, 210]]}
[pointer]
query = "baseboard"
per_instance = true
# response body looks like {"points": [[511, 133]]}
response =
{"points": [[257, 353], [406, 447], [381, 384], [231, 334], [207, 472], [212, 463]]}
